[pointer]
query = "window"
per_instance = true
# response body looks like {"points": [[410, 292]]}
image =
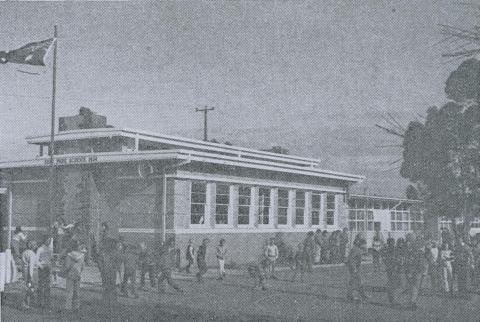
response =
{"points": [[221, 207], [263, 206], [330, 215], [282, 207], [475, 223], [400, 220], [416, 220], [300, 208], [316, 208], [244, 197], [198, 199]]}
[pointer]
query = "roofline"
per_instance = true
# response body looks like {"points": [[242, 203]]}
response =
{"points": [[90, 133], [108, 157], [387, 198]]}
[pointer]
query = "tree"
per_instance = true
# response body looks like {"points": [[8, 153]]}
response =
{"points": [[443, 153]]}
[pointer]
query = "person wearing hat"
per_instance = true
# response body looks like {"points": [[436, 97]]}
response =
{"points": [[221, 252]]}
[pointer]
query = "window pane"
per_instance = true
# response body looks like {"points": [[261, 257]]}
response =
{"points": [[315, 217]]}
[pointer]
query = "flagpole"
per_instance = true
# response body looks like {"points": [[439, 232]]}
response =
{"points": [[52, 129]]}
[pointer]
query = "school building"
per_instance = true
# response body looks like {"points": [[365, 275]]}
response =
{"points": [[150, 186]]}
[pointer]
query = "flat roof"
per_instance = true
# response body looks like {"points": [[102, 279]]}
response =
{"points": [[215, 151]]}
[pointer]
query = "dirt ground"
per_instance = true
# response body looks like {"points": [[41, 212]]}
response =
{"points": [[320, 297]]}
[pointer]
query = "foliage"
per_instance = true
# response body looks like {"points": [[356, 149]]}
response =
{"points": [[442, 154]]}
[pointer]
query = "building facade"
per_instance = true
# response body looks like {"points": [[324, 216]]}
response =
{"points": [[149, 187]]}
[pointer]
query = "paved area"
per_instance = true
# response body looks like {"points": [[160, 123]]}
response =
{"points": [[320, 297]]}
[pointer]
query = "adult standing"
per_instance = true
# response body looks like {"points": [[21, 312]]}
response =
{"points": [[165, 265], [271, 253], [353, 263], [308, 250], [376, 248], [201, 259], [30, 273], [110, 261], [221, 252]]}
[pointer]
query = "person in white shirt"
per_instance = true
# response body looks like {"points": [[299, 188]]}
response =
{"points": [[271, 253], [221, 252]]}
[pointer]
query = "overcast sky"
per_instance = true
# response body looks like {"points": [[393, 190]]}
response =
{"points": [[312, 76]]}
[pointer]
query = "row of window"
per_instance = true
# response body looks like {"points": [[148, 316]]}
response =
{"points": [[263, 206], [376, 204], [400, 220]]}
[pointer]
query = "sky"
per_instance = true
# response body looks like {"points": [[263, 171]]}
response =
{"points": [[311, 76]]}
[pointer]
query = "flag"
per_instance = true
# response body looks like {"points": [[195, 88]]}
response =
{"points": [[31, 54]]}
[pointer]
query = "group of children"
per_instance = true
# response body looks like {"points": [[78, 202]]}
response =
{"points": [[38, 264], [453, 267]]}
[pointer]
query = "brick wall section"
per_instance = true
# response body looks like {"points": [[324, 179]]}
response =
{"points": [[241, 247], [181, 204]]}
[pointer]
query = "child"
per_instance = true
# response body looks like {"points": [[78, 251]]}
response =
{"points": [[30, 273], [74, 264], [130, 268], [146, 265], [45, 260], [299, 263], [201, 260], [221, 252], [190, 255], [258, 271]]}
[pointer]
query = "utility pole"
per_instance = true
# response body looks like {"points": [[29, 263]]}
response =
{"points": [[205, 125]]}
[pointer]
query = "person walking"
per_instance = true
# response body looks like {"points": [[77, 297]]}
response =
{"points": [[324, 248], [165, 265], [110, 261], [258, 271], [44, 261], [147, 265], [318, 246], [414, 268], [30, 273], [434, 266], [446, 258], [201, 260], [390, 258], [271, 253], [309, 250], [74, 265], [130, 257], [299, 263], [343, 244], [463, 263], [190, 256], [221, 251], [376, 247], [353, 264]]}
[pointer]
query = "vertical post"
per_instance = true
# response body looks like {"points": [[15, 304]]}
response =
{"points": [[52, 129], [205, 122], [205, 134], [10, 213], [164, 205]]}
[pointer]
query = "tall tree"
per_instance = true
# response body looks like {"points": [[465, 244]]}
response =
{"points": [[442, 154]]}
